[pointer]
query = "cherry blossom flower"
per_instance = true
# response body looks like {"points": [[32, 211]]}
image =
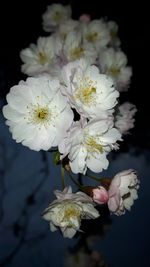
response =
{"points": [[97, 33], [113, 63], [88, 144], [39, 58], [67, 211], [68, 26], [113, 30], [123, 192], [74, 48], [124, 119], [55, 15], [91, 93], [36, 112]]}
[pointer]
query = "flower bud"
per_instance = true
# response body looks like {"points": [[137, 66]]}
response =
{"points": [[85, 18], [100, 195]]}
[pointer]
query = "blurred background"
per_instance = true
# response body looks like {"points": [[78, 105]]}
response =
{"points": [[27, 178]]}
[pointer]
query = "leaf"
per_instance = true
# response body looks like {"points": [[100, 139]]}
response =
{"points": [[56, 158]]}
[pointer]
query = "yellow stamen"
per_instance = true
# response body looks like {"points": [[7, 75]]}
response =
{"points": [[41, 115], [91, 37], [57, 17], [77, 53], [43, 58], [71, 212], [113, 71], [86, 92], [93, 146]]}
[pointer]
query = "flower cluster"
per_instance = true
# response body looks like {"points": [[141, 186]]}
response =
{"points": [[70, 103], [68, 209]]}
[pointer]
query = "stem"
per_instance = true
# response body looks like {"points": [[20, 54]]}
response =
{"points": [[63, 177], [80, 178], [74, 181], [94, 178]]}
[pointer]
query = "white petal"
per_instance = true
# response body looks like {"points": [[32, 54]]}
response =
{"points": [[90, 211], [68, 232], [52, 227], [97, 164], [78, 165]]}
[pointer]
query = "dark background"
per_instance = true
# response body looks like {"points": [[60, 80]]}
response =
{"points": [[127, 243], [21, 25]]}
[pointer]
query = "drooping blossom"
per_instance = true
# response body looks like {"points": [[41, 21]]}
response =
{"points": [[36, 112], [67, 211], [123, 192]]}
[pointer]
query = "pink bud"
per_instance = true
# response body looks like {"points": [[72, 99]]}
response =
{"points": [[85, 18], [100, 195]]}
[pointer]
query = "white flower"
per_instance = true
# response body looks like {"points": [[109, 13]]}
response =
{"points": [[123, 191], [36, 113], [68, 26], [90, 92], [88, 144], [113, 63], [39, 58], [124, 119], [55, 15], [68, 210], [74, 48], [113, 30], [97, 33]]}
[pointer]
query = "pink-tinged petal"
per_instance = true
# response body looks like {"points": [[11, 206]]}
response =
{"points": [[113, 204], [85, 18], [100, 195]]}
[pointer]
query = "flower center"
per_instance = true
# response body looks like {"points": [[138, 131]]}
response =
{"points": [[57, 17], [87, 91], [42, 58], [71, 211], [38, 115], [77, 52], [113, 71], [41, 114], [91, 37], [93, 146]]}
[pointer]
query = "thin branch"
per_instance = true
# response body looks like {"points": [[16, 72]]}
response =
{"points": [[63, 177], [75, 181]]}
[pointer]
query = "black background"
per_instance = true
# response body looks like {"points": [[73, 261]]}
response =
{"points": [[21, 25]]}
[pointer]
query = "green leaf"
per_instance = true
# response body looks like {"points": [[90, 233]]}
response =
{"points": [[56, 158]]}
